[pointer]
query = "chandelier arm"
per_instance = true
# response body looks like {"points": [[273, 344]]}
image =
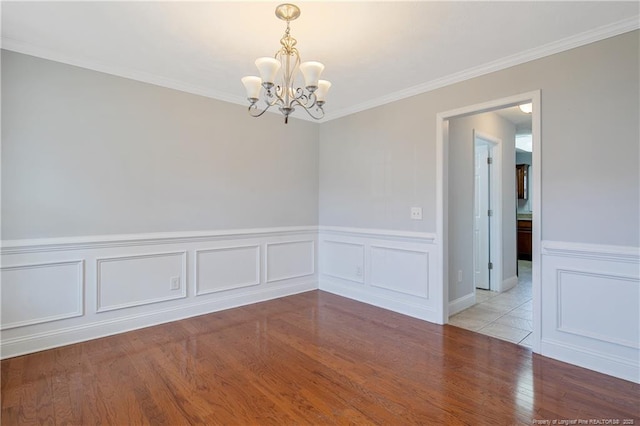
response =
{"points": [[301, 97], [306, 99], [255, 112], [311, 108], [272, 97], [269, 94]]}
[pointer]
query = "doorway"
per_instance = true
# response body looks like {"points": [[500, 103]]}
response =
{"points": [[444, 209]]}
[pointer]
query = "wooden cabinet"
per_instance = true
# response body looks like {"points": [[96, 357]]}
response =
{"points": [[524, 240], [522, 181]]}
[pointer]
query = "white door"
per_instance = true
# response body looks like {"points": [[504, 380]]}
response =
{"points": [[481, 218]]}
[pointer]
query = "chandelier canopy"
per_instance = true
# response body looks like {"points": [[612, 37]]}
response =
{"points": [[279, 77]]}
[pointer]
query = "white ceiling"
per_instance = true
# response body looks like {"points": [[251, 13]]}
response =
{"points": [[520, 119], [374, 52]]}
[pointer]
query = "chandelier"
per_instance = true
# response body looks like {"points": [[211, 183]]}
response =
{"points": [[278, 77]]}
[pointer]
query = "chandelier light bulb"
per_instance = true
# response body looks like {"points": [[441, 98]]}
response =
{"points": [[253, 85], [311, 72], [321, 91], [268, 68]]}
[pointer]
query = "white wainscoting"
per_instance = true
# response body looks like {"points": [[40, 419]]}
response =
{"points": [[395, 270], [290, 259], [590, 313], [127, 281], [342, 260], [41, 292], [401, 270], [66, 290], [227, 268]]}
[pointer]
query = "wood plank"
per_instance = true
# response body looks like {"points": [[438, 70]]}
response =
{"points": [[312, 358]]}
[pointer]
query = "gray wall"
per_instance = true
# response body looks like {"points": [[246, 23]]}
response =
{"points": [[86, 153], [461, 197], [375, 164]]}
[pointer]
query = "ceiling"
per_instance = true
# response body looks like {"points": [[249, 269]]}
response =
{"points": [[521, 120], [374, 52]]}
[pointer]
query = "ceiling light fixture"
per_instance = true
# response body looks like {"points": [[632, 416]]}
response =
{"points": [[282, 89], [526, 108]]}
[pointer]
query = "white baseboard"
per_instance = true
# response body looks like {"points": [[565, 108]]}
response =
{"points": [[462, 303], [362, 295], [597, 361], [509, 283]]}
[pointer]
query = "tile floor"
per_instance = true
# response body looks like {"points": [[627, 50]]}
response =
{"points": [[506, 316]]}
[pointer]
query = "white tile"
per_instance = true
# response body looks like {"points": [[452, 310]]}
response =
{"points": [[516, 322], [526, 290], [472, 324], [504, 332], [512, 297], [484, 295], [480, 312], [501, 305], [528, 305], [522, 313]]}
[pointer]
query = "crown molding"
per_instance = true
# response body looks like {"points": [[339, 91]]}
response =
{"points": [[587, 37], [591, 36]]}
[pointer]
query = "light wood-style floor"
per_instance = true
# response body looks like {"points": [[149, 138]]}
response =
{"points": [[313, 358]]}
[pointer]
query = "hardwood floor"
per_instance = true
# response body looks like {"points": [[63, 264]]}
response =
{"points": [[312, 358]]}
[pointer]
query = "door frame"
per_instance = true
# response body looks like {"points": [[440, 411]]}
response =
{"points": [[442, 160], [495, 188]]}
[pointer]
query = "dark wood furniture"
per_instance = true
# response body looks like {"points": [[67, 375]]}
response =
{"points": [[524, 240]]}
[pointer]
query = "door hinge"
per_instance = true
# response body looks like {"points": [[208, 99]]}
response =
{"points": [[490, 265], [489, 212], [489, 160]]}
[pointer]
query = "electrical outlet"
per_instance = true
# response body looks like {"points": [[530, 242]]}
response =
{"points": [[416, 213], [175, 283], [358, 271]]}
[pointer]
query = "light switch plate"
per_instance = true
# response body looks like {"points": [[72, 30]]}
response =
{"points": [[416, 213]]}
